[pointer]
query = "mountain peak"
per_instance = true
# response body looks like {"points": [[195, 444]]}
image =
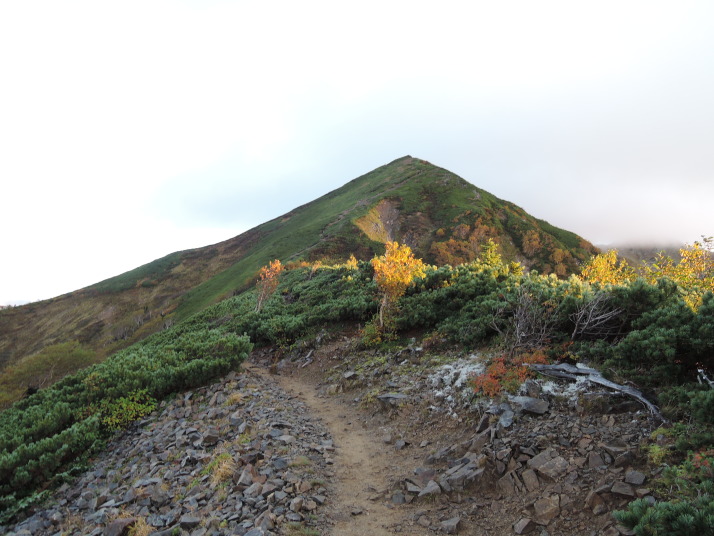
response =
{"points": [[442, 217]]}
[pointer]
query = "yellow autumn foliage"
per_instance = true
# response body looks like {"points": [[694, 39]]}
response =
{"points": [[394, 272]]}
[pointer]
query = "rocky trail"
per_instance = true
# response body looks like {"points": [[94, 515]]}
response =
{"points": [[333, 442], [361, 466]]}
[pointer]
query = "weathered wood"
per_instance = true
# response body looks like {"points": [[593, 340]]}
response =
{"points": [[703, 378], [571, 372]]}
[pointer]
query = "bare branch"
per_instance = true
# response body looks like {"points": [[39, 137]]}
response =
{"points": [[571, 372], [596, 319]]}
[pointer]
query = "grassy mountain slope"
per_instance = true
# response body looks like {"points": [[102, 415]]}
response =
{"points": [[444, 218]]}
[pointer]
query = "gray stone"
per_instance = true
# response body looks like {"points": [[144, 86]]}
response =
{"points": [[546, 509], [620, 488], [432, 488], [118, 527], [595, 460], [536, 406], [450, 526], [188, 521], [524, 526], [530, 479], [635, 477]]}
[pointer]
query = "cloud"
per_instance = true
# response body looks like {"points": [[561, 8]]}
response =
{"points": [[133, 129]]}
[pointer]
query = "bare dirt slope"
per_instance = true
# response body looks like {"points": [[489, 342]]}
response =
{"points": [[362, 466]]}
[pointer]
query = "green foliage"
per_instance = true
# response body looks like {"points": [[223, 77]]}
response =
{"points": [[43, 369], [674, 518], [117, 414], [56, 428]]}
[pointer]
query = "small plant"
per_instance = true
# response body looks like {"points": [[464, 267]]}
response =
{"points": [[223, 469], [296, 529], [268, 279], [656, 454], [140, 528], [120, 413], [234, 398], [300, 461], [507, 373]]}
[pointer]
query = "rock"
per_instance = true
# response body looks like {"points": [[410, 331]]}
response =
{"points": [[595, 460], [188, 521], [546, 509], [635, 478], [524, 526], [119, 527], [506, 419], [620, 488], [536, 406], [450, 526], [530, 479], [431, 488], [552, 468]]}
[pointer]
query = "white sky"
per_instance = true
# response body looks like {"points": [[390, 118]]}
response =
{"points": [[132, 129]]}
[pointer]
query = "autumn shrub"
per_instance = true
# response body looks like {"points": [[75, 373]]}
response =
{"points": [[268, 279], [507, 373], [394, 272]]}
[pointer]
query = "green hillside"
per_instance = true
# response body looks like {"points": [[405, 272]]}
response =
{"points": [[444, 218], [644, 333], [441, 216]]}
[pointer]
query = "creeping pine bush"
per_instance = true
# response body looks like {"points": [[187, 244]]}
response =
{"points": [[673, 518], [57, 427]]}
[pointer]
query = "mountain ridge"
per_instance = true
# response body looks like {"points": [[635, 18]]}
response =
{"points": [[444, 218]]}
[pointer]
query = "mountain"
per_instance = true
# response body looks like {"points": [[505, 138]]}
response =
{"points": [[444, 218]]}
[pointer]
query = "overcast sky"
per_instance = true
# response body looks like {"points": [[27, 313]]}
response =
{"points": [[132, 129]]}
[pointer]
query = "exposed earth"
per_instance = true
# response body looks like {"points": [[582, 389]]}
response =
{"points": [[334, 440]]}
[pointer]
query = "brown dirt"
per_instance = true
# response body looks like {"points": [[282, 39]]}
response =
{"points": [[367, 471], [362, 467]]}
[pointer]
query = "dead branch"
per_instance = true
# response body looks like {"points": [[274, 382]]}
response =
{"points": [[596, 318], [526, 322], [571, 372], [703, 378]]}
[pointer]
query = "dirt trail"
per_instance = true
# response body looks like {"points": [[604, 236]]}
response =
{"points": [[361, 504]]}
